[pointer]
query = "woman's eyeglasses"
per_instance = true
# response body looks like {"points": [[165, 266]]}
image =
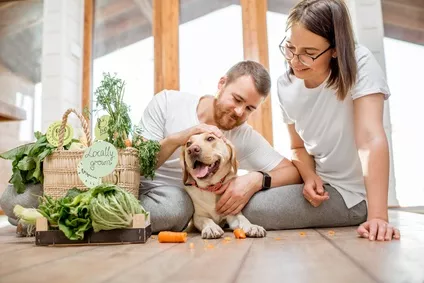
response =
{"points": [[305, 59]]}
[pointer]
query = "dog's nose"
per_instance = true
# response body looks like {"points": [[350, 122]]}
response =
{"points": [[194, 150]]}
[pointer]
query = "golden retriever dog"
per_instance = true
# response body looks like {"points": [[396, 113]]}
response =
{"points": [[208, 163]]}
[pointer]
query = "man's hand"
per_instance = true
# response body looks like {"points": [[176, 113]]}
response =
{"points": [[378, 229], [203, 128], [313, 191], [170, 144], [236, 193]]}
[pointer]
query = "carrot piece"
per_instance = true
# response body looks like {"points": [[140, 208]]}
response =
{"points": [[128, 143], [191, 246], [239, 233], [331, 233], [172, 237], [302, 234], [210, 246]]}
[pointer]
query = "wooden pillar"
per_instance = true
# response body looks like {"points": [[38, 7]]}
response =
{"points": [[255, 45], [165, 33], [88, 55]]}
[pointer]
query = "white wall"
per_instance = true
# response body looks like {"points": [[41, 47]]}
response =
{"points": [[62, 59]]}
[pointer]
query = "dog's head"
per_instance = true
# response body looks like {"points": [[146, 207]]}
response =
{"points": [[207, 159]]}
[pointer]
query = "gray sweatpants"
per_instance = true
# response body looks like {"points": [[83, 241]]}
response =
{"points": [[171, 208], [274, 209]]}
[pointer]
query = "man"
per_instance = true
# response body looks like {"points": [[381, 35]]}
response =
{"points": [[172, 117]]}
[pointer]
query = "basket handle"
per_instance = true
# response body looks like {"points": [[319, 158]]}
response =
{"points": [[83, 123]]}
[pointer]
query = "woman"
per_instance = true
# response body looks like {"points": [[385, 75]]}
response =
{"points": [[332, 100]]}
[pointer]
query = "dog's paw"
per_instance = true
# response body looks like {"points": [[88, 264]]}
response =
{"points": [[212, 232], [255, 231]]}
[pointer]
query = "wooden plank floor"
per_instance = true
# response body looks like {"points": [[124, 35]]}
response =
{"points": [[309, 255]]}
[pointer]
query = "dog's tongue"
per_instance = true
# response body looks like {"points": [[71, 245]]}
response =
{"points": [[201, 171]]}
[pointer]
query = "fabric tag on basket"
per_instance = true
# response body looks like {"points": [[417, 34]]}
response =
{"points": [[52, 134], [101, 128], [100, 159]]}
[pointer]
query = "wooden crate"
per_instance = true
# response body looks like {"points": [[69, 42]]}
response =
{"points": [[139, 233]]}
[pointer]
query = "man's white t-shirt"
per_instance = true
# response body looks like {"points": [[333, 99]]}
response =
{"points": [[170, 112], [326, 124]]}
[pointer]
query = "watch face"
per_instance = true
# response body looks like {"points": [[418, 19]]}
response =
{"points": [[267, 182]]}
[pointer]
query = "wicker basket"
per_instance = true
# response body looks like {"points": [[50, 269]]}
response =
{"points": [[60, 168]]}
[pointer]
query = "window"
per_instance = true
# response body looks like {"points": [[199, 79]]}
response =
{"points": [[211, 41], [123, 45]]}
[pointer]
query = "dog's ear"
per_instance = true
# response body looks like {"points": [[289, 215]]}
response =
{"points": [[234, 162], [186, 176]]}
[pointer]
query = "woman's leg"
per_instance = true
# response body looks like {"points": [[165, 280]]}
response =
{"points": [[286, 208]]}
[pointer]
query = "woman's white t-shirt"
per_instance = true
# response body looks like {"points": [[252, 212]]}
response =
{"points": [[326, 124]]}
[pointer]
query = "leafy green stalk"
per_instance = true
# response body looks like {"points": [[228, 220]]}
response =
{"points": [[147, 153], [27, 162], [110, 97]]}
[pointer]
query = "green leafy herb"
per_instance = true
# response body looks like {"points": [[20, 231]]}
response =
{"points": [[147, 153], [110, 97], [27, 162]]}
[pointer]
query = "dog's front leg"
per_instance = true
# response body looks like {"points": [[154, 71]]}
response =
{"points": [[209, 229], [251, 230]]}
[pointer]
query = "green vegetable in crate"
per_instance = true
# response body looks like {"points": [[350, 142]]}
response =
{"points": [[27, 217], [70, 214], [104, 207], [113, 208]]}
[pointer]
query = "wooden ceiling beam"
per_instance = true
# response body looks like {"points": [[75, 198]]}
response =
{"points": [[411, 3], [403, 34], [113, 10], [10, 4], [401, 15], [113, 29], [121, 40], [146, 9], [12, 30], [21, 17]]}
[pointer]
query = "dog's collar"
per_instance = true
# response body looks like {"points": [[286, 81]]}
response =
{"points": [[210, 188]]}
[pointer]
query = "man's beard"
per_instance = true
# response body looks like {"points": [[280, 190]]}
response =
{"points": [[221, 117]]}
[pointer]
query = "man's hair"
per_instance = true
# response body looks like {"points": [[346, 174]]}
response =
{"points": [[253, 69], [330, 19]]}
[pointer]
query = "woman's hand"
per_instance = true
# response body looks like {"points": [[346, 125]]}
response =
{"points": [[378, 229], [313, 191]]}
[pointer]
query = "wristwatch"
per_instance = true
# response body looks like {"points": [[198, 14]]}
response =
{"points": [[266, 181]]}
